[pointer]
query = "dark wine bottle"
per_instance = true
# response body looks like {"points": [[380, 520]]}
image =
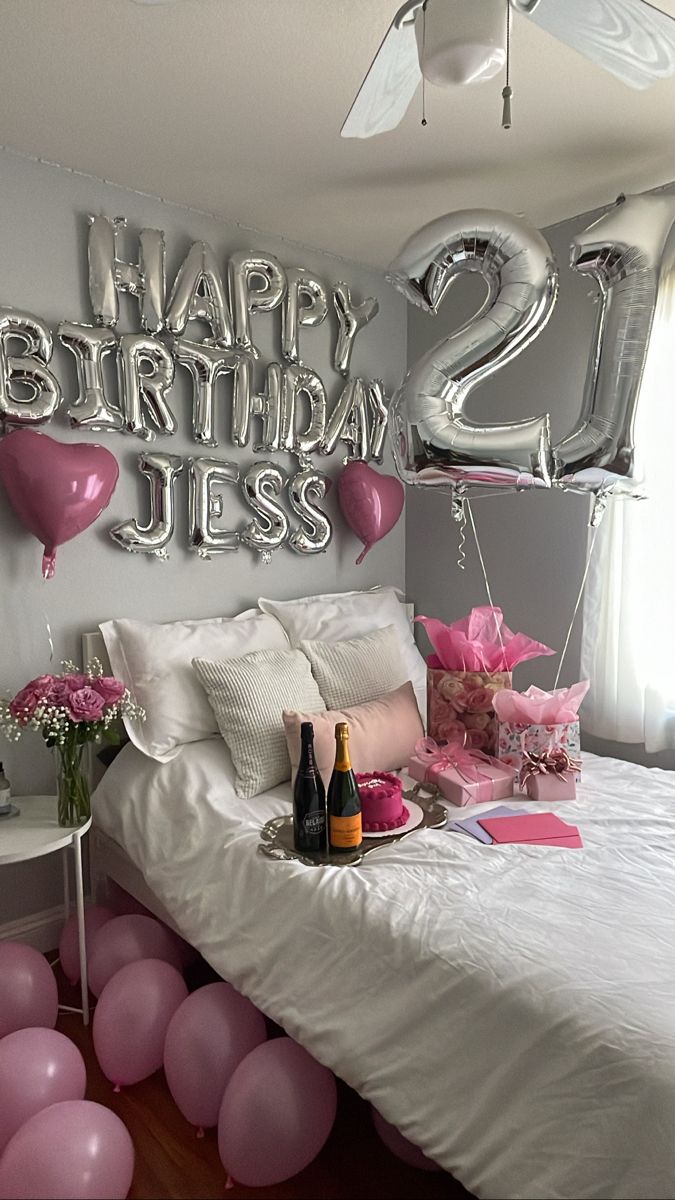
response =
{"points": [[344, 804], [309, 798]]}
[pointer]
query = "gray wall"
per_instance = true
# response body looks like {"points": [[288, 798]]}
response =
{"points": [[534, 545], [43, 241]]}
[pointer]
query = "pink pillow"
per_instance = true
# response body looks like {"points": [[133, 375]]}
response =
{"points": [[382, 733]]}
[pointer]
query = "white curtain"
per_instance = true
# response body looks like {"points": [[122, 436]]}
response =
{"points": [[628, 647]]}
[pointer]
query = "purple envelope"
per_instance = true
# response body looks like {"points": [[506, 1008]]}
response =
{"points": [[470, 824]]}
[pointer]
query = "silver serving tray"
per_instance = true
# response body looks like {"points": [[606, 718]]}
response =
{"points": [[276, 837]]}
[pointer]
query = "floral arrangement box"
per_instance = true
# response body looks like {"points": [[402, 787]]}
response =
{"points": [[462, 703], [462, 776], [472, 661]]}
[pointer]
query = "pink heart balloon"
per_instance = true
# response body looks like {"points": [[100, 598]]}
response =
{"points": [[56, 490], [371, 503]]}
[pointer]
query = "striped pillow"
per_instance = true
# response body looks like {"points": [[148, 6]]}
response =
{"points": [[358, 669], [248, 696]]}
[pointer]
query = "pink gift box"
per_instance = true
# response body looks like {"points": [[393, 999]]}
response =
{"points": [[461, 776], [551, 786]]}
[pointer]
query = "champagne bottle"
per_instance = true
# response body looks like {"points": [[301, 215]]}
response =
{"points": [[309, 798], [344, 803]]}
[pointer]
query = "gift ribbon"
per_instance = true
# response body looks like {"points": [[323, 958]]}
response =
{"points": [[548, 762], [437, 759]]}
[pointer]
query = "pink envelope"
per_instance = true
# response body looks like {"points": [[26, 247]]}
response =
{"points": [[530, 827]]}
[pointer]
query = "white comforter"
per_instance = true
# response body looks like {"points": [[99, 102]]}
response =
{"points": [[511, 1009]]}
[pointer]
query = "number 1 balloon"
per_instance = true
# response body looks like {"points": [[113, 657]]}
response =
{"points": [[630, 252], [433, 441], [56, 490]]}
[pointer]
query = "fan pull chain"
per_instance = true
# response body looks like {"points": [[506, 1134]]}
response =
{"points": [[507, 91], [424, 82]]}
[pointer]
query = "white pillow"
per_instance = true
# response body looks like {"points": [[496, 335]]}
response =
{"points": [[155, 663], [340, 615], [248, 696], [359, 669]]}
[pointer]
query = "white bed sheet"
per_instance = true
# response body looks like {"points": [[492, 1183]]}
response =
{"points": [[510, 1009]]}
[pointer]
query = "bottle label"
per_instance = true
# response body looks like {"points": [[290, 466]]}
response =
{"points": [[346, 832], [314, 822]]}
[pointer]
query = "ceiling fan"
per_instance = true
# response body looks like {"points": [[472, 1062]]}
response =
{"points": [[465, 41]]}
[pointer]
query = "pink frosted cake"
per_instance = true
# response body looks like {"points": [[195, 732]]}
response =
{"points": [[382, 807]]}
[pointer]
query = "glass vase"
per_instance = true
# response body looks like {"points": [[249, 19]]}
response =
{"points": [[74, 803]]}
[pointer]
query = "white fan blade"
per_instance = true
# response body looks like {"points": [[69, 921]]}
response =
{"points": [[629, 38], [392, 80]]}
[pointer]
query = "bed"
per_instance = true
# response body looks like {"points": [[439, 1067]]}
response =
{"points": [[510, 1009]]}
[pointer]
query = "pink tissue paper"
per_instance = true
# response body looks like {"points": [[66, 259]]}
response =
{"points": [[479, 642], [536, 707]]}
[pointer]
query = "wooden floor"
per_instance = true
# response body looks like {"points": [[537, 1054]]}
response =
{"points": [[173, 1164]]}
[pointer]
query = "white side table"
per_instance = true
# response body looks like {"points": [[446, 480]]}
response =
{"points": [[36, 832]]}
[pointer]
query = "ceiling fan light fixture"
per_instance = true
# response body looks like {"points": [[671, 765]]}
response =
{"points": [[463, 42]]}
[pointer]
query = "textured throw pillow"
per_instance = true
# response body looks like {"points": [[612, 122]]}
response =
{"points": [[359, 669], [340, 615], [155, 663], [382, 734], [248, 696]]}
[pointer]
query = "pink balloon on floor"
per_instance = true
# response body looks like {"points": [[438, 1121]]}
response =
{"points": [[128, 939], [132, 1017], [371, 503], [38, 1067], [399, 1145], [69, 946], [208, 1036], [75, 1150], [28, 992], [56, 490], [277, 1113]]}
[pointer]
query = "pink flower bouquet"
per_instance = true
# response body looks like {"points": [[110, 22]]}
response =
{"points": [[70, 710]]}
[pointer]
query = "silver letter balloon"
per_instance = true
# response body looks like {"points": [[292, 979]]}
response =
{"points": [[433, 442], [28, 369], [160, 470]]}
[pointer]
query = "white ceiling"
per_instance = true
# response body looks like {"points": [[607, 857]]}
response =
{"points": [[235, 106]]}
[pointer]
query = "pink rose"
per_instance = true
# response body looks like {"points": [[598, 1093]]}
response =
{"points": [[26, 701], [480, 699], [109, 688], [476, 739], [451, 731], [59, 693], [86, 705], [75, 682], [449, 687], [477, 720]]}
